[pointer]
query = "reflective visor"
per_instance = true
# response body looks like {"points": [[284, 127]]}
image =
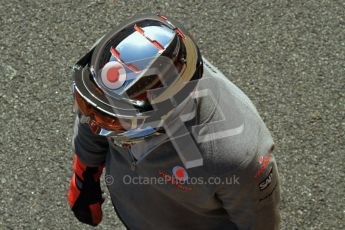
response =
{"points": [[97, 119]]}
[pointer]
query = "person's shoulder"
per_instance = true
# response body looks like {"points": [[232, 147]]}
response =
{"points": [[223, 88], [231, 132]]}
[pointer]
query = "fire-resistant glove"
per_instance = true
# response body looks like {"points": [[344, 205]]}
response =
{"points": [[85, 194]]}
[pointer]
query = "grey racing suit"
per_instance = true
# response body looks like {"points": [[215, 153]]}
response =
{"points": [[236, 187]]}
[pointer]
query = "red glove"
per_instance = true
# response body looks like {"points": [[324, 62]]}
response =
{"points": [[85, 194]]}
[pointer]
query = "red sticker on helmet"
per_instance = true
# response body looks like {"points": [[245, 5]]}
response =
{"points": [[113, 75]]}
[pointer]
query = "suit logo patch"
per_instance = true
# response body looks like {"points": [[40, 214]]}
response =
{"points": [[267, 181], [173, 181], [180, 173], [264, 163]]}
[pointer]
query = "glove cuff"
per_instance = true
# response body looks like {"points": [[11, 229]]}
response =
{"points": [[80, 168]]}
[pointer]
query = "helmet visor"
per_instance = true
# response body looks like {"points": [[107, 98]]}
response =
{"points": [[98, 120]]}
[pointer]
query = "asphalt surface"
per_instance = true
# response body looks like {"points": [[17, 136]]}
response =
{"points": [[287, 55]]}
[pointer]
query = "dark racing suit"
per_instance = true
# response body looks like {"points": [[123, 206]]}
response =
{"points": [[237, 187]]}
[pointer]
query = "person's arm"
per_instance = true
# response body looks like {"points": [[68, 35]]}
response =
{"points": [[90, 148], [254, 202], [85, 195]]}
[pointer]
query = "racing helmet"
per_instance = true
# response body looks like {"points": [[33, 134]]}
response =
{"points": [[135, 76]]}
